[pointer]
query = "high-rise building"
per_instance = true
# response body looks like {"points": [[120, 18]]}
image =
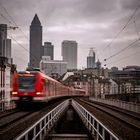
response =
{"points": [[35, 42], [69, 53], [8, 48], [5, 43], [48, 50], [91, 59], [8, 51], [3, 37]]}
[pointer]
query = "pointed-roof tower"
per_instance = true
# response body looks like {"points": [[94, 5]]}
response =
{"points": [[35, 42], [36, 20]]}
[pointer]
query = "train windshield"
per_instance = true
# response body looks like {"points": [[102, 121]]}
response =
{"points": [[26, 82]]}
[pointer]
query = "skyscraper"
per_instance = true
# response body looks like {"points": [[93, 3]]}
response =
{"points": [[48, 50], [69, 53], [91, 59], [3, 37], [8, 51], [35, 42], [5, 43]]}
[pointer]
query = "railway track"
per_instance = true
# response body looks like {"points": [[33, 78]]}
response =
{"points": [[131, 118], [11, 119], [14, 124], [8, 112], [124, 123]]}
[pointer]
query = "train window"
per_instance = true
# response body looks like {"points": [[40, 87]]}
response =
{"points": [[26, 83], [78, 83], [47, 86]]}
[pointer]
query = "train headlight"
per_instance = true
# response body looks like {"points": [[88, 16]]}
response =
{"points": [[14, 93], [38, 93]]}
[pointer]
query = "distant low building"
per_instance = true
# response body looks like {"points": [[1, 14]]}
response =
{"points": [[113, 87], [87, 82], [128, 79], [53, 67]]}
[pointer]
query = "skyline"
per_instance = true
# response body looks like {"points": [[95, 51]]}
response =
{"points": [[91, 23]]}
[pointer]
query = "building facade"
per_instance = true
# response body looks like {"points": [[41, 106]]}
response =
{"points": [[128, 79], [69, 53], [48, 50], [53, 67], [6, 74], [35, 42], [128, 83]]}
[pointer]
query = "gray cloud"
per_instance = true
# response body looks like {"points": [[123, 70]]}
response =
{"points": [[92, 23]]}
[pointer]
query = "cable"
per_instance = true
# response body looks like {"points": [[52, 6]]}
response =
{"points": [[136, 28], [12, 20], [125, 56], [5, 18], [18, 43], [16, 25], [130, 45], [23, 47], [122, 27]]}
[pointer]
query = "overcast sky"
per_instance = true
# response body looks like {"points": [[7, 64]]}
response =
{"points": [[98, 24]]}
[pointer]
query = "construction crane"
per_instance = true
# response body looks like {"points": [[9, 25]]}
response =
{"points": [[10, 27], [4, 27]]}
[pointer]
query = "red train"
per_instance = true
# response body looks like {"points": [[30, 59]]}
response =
{"points": [[34, 86]]}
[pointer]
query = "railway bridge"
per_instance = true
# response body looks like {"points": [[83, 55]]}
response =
{"points": [[83, 119]]}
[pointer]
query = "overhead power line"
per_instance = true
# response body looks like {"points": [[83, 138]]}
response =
{"points": [[130, 18], [22, 46], [11, 20], [14, 28], [130, 45], [5, 18], [136, 28], [126, 57]]}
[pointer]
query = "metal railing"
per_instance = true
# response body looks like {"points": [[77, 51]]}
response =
{"points": [[134, 107], [97, 129], [40, 128]]}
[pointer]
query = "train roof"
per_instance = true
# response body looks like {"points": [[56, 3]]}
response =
{"points": [[42, 74]]}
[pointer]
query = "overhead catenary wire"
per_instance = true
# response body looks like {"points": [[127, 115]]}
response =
{"points": [[130, 45], [130, 18], [5, 18], [18, 43], [12, 20], [22, 46], [136, 28], [17, 26], [123, 28], [126, 57]]}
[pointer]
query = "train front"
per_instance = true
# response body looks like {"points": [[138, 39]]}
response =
{"points": [[26, 88]]}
